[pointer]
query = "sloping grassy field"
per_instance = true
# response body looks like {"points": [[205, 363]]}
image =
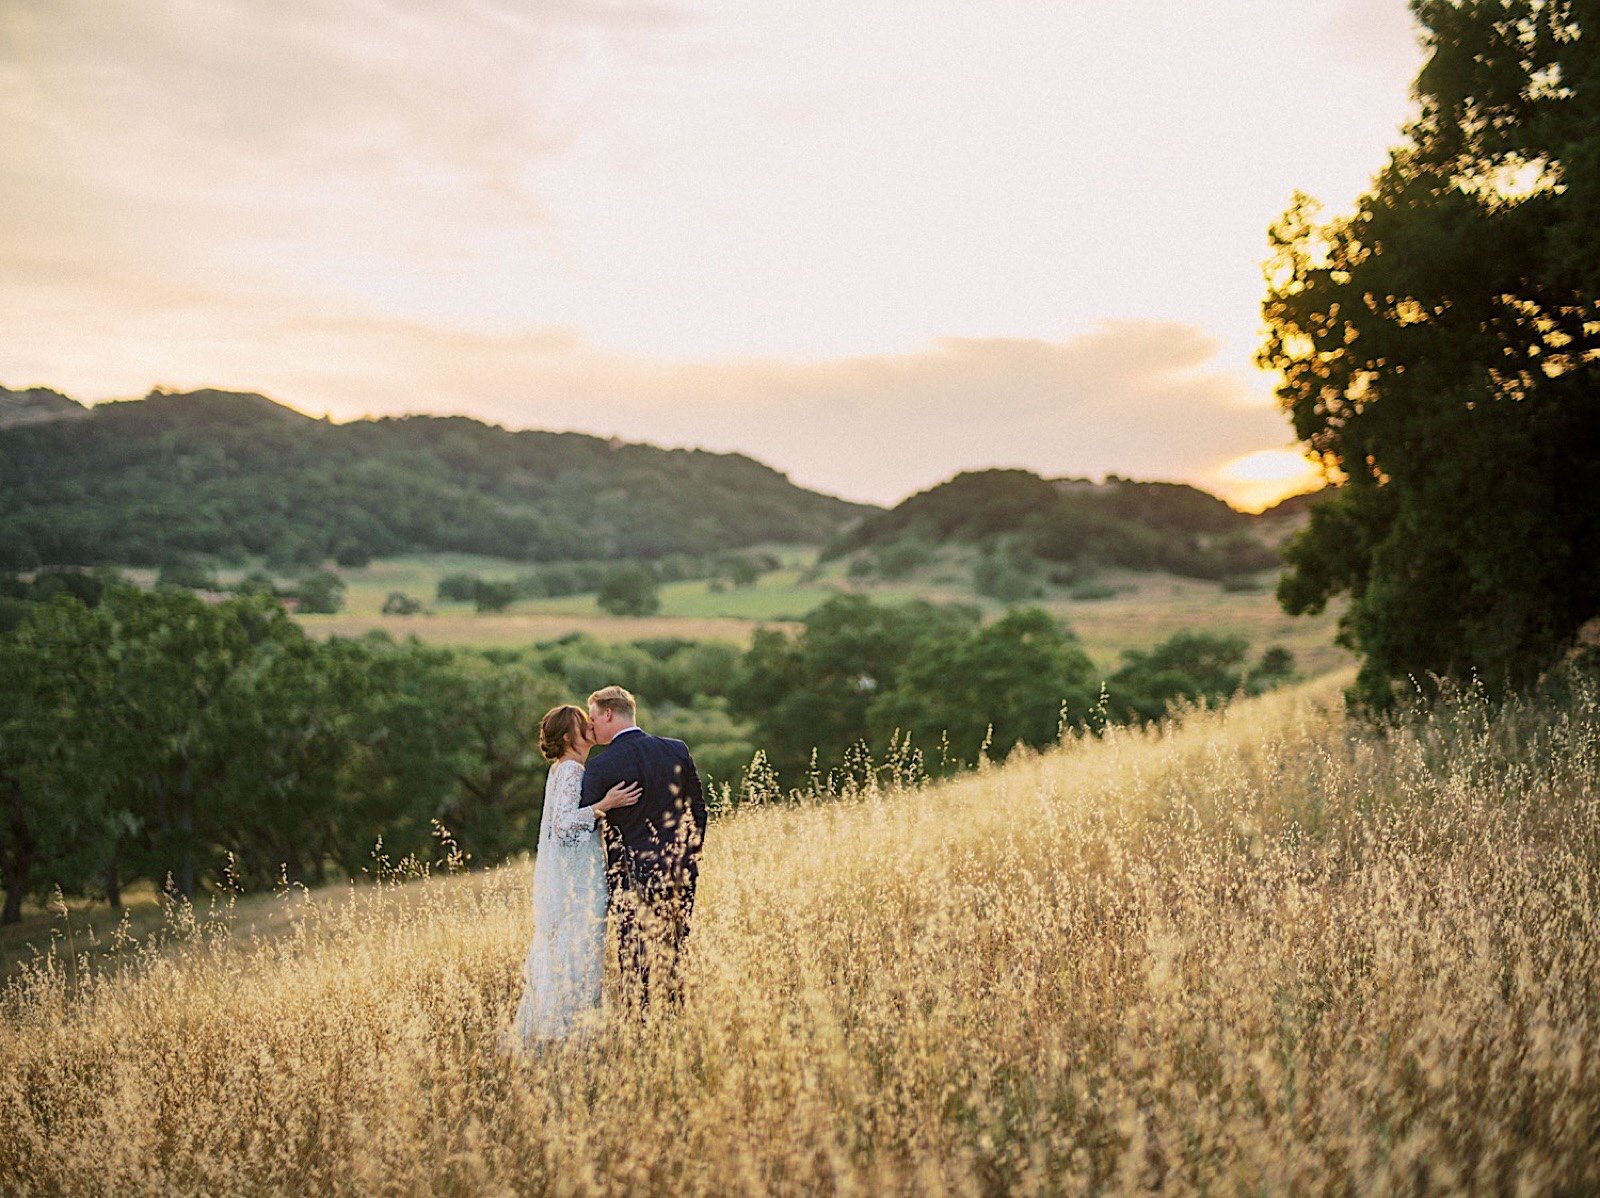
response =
{"points": [[1263, 952]]}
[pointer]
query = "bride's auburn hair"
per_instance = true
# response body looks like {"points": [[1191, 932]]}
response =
{"points": [[559, 728]]}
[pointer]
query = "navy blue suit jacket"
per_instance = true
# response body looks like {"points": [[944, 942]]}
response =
{"points": [[658, 839]]}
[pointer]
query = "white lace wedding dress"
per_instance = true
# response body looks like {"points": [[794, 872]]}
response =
{"points": [[562, 972]]}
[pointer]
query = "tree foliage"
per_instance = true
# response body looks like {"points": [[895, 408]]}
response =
{"points": [[155, 734], [1190, 666], [1018, 519], [861, 673], [320, 593], [494, 596], [229, 475], [1005, 683], [1440, 350], [158, 736], [630, 591], [398, 603]]}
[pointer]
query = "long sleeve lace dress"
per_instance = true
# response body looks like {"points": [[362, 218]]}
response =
{"points": [[563, 969]]}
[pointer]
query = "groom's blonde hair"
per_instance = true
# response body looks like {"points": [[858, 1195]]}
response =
{"points": [[615, 700]]}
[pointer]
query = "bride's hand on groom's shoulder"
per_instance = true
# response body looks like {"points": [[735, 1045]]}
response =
{"points": [[623, 794]]}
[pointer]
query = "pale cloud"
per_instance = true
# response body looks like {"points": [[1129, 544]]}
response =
{"points": [[874, 241], [1376, 35], [369, 151]]}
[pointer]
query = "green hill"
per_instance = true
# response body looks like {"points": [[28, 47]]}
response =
{"points": [[229, 474], [35, 406], [1073, 524]]}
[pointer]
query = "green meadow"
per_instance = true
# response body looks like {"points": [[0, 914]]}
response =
{"points": [[1137, 610]]}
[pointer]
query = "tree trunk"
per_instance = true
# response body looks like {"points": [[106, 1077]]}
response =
{"points": [[186, 874], [114, 883], [186, 862], [16, 854]]}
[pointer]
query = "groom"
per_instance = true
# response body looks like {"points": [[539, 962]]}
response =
{"points": [[653, 847]]}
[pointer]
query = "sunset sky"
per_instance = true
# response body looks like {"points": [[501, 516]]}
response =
{"points": [[871, 243]]}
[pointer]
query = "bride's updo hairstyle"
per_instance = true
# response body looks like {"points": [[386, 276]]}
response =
{"points": [[559, 729]]}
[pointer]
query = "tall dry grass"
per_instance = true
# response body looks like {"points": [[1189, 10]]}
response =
{"points": [[1263, 952]]}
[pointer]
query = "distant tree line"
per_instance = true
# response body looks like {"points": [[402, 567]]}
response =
{"points": [[621, 588], [156, 735], [236, 477], [857, 672], [162, 736], [626, 588], [319, 592]]}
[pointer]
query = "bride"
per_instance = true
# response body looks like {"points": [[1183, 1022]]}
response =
{"points": [[561, 975]]}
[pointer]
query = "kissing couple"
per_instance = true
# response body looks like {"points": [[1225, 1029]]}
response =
{"points": [[623, 833]]}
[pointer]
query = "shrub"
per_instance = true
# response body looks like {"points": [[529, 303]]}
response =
{"points": [[398, 603], [321, 593], [494, 595], [630, 591], [458, 588]]}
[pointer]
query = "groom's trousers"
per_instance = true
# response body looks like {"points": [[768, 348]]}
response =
{"points": [[653, 914]]}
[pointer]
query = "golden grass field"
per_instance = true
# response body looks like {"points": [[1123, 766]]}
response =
{"points": [[1261, 952]]}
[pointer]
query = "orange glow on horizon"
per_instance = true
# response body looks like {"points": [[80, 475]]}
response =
{"points": [[1255, 481]]}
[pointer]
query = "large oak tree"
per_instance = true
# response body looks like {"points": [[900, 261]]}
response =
{"points": [[1439, 350]]}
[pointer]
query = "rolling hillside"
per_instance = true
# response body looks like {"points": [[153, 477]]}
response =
{"points": [[1264, 952], [36, 405], [230, 474], [1073, 527]]}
